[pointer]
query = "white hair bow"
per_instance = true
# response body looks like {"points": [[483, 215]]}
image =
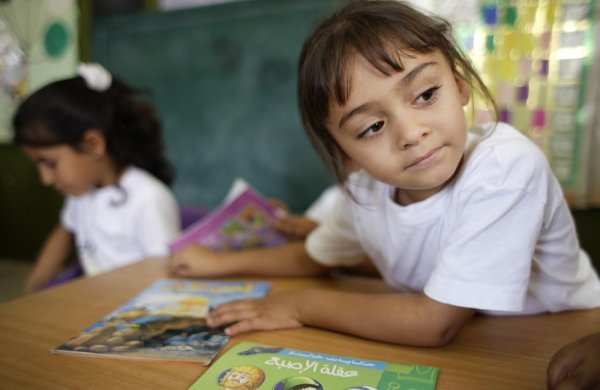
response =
{"points": [[95, 76]]}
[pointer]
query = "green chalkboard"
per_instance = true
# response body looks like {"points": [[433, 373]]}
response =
{"points": [[223, 79]]}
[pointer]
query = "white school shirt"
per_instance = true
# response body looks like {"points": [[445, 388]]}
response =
{"points": [[321, 207], [114, 226], [500, 238]]}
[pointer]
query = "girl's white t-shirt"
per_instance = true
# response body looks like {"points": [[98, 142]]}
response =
{"points": [[500, 238], [115, 226], [320, 208]]}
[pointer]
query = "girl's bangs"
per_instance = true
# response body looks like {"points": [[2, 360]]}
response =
{"points": [[386, 57], [35, 134]]}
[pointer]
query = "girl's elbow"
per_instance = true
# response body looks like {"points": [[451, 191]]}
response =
{"points": [[442, 335], [434, 338]]}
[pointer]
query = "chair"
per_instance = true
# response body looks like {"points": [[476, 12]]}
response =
{"points": [[191, 214], [71, 272]]}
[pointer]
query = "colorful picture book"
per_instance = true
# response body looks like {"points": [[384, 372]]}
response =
{"points": [[252, 366], [242, 222], [166, 321]]}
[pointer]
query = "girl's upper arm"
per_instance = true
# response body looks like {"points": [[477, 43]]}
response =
{"points": [[334, 242], [158, 223]]}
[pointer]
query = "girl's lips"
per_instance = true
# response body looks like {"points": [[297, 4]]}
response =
{"points": [[426, 158]]}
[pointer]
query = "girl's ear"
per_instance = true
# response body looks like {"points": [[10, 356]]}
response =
{"points": [[464, 89], [94, 142]]}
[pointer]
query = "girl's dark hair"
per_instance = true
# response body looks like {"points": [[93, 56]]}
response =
{"points": [[62, 111], [380, 31]]}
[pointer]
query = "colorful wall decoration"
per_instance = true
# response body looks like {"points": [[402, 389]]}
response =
{"points": [[536, 57], [38, 44]]}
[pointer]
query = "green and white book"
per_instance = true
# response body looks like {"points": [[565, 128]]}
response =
{"points": [[251, 366]]}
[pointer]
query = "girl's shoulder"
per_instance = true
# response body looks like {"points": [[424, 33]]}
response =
{"points": [[502, 136], [497, 152], [366, 189], [143, 184]]}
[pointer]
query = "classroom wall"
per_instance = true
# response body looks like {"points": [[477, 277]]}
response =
{"points": [[28, 211], [46, 34], [223, 80]]}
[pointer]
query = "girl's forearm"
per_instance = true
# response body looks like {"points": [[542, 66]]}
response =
{"points": [[410, 319], [55, 251], [286, 260]]}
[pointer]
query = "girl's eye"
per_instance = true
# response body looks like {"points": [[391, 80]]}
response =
{"points": [[47, 164], [427, 97], [371, 130]]}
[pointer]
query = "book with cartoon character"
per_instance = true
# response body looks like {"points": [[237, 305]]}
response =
{"points": [[252, 366], [166, 321], [240, 223]]}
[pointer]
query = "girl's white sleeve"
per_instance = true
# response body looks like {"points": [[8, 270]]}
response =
{"points": [[498, 218], [321, 207], [159, 223], [334, 242], [486, 263], [68, 214]]}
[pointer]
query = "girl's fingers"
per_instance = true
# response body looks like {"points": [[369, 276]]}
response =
{"points": [[242, 327], [231, 312], [176, 266], [181, 270], [258, 323], [560, 366]]}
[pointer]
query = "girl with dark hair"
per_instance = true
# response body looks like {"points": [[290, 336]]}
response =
{"points": [[457, 220], [100, 146]]}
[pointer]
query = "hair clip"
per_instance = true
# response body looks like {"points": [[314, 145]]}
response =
{"points": [[95, 75]]}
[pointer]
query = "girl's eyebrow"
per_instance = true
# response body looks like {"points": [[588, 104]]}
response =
{"points": [[406, 80], [410, 76], [346, 117]]}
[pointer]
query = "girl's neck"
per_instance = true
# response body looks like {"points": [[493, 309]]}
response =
{"points": [[110, 175], [407, 197]]}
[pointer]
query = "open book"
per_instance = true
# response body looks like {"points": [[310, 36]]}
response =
{"points": [[242, 222], [252, 366], [166, 321]]}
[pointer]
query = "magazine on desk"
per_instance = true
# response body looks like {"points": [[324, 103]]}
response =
{"points": [[166, 321], [252, 366], [242, 222]]}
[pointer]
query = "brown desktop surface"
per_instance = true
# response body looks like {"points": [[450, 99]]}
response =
{"points": [[489, 353]]}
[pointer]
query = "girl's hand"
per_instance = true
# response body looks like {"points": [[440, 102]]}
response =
{"points": [[576, 365], [276, 311], [194, 261]]}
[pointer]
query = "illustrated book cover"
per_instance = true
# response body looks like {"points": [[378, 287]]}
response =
{"points": [[253, 366], [166, 321], [242, 222]]}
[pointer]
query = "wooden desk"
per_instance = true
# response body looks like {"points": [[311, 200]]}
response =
{"points": [[490, 352]]}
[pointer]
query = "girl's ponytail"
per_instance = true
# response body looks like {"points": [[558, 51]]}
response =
{"points": [[134, 135]]}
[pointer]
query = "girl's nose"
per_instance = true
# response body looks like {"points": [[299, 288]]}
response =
{"points": [[412, 136], [46, 176]]}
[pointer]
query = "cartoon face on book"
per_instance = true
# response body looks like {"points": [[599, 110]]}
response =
{"points": [[242, 378]]}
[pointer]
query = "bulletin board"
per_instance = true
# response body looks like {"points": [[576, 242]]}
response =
{"points": [[537, 57], [38, 44], [223, 79]]}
